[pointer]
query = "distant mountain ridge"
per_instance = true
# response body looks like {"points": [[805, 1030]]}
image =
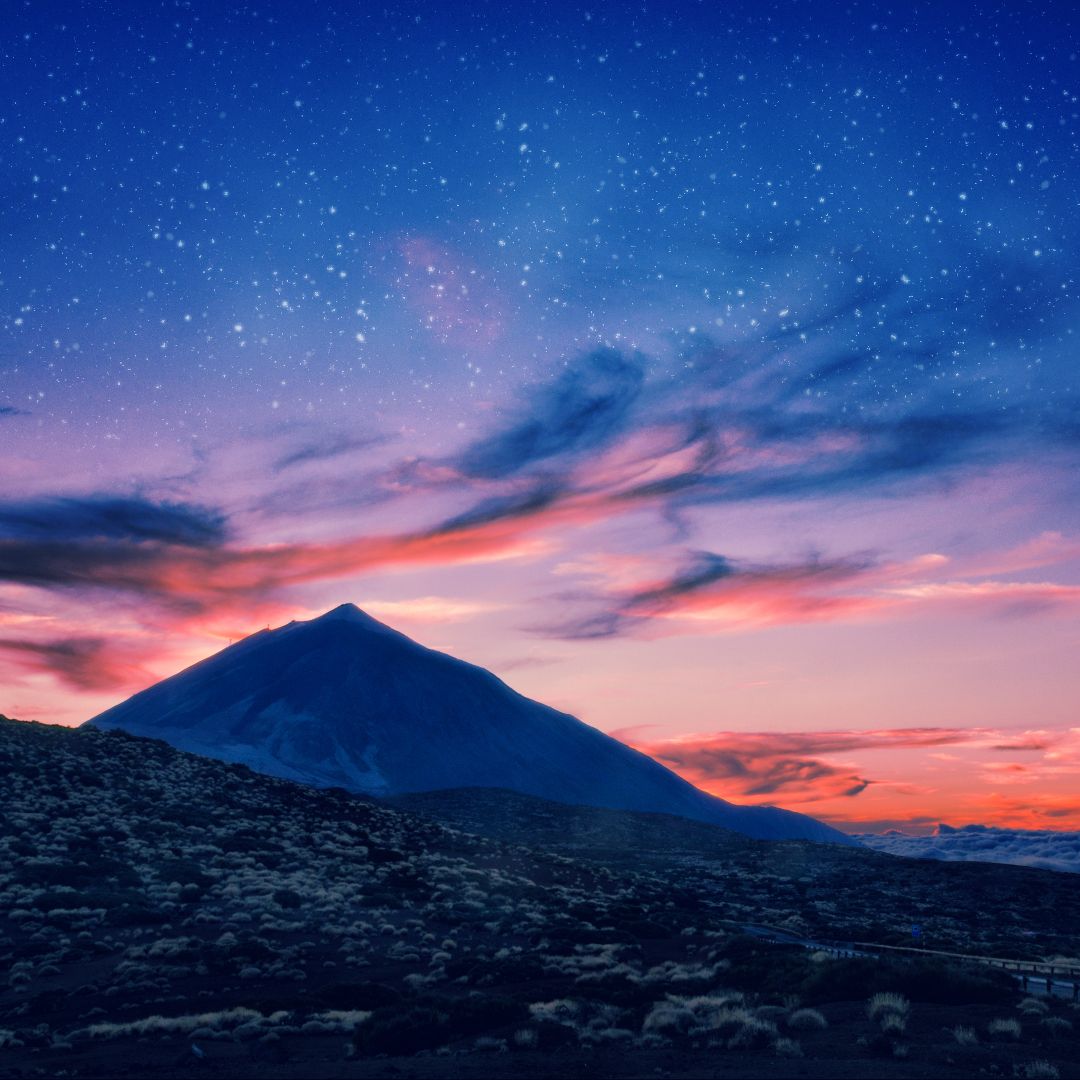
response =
{"points": [[346, 701]]}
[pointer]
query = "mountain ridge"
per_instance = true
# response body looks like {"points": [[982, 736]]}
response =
{"points": [[344, 700]]}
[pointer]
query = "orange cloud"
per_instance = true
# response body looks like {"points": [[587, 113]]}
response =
{"points": [[797, 768], [763, 766]]}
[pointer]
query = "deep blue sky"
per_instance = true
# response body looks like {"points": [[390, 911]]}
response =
{"points": [[173, 171]]}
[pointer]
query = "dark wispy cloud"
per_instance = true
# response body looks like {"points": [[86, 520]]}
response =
{"points": [[10, 410], [708, 584], [113, 565], [1029, 741], [730, 425], [324, 447], [708, 593], [586, 406], [81, 663], [111, 517], [125, 544]]}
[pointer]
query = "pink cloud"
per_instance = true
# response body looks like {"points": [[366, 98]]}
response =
{"points": [[764, 766], [714, 595], [81, 663]]}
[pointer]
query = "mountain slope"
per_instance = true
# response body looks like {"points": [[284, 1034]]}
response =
{"points": [[345, 701]]}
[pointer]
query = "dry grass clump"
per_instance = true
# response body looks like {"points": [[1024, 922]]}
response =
{"points": [[1004, 1029], [1033, 1007], [881, 1005], [807, 1020], [714, 1014], [890, 1011], [560, 1011]]}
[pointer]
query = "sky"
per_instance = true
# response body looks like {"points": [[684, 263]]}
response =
{"points": [[705, 370]]}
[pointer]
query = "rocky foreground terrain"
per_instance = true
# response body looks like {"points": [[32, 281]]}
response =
{"points": [[167, 914], [820, 891]]}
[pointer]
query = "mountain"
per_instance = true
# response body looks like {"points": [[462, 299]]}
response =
{"points": [[345, 701]]}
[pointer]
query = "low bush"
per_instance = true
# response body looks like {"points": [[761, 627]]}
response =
{"points": [[807, 1020], [881, 1006], [1004, 1030], [433, 1022], [1033, 1007]]}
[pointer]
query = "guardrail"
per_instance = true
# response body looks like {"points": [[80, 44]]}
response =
{"points": [[1043, 976]]}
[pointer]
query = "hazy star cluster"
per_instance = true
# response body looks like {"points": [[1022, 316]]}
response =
{"points": [[728, 348]]}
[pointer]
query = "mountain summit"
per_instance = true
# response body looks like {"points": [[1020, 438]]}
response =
{"points": [[346, 701]]}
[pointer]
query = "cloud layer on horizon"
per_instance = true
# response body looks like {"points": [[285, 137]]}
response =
{"points": [[1045, 849]]}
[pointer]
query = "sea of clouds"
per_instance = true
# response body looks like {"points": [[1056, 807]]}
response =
{"points": [[1041, 848]]}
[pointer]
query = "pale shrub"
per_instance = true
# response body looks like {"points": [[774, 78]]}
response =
{"points": [[1004, 1030], [225, 1018], [343, 1019], [752, 1034], [881, 1005], [560, 1011], [1033, 1007], [807, 1020], [698, 1015]]}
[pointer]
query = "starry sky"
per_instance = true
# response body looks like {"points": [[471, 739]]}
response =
{"points": [[705, 370]]}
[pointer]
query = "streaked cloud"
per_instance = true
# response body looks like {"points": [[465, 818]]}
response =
{"points": [[711, 593], [105, 517], [785, 766], [80, 663]]}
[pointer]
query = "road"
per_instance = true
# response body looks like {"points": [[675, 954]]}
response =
{"points": [[1034, 976]]}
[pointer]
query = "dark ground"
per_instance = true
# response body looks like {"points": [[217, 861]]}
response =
{"points": [[168, 915]]}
